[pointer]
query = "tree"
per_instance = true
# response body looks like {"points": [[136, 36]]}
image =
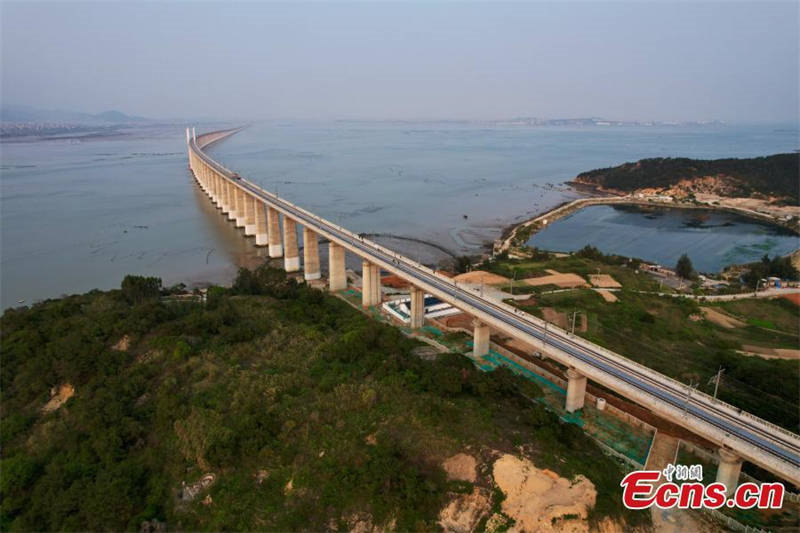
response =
{"points": [[684, 267], [137, 289]]}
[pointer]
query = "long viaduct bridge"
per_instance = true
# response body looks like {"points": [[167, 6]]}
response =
{"points": [[739, 435]]}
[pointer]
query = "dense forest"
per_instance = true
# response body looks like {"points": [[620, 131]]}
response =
{"points": [[776, 175], [299, 410]]}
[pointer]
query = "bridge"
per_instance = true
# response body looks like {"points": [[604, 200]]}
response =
{"points": [[739, 435]]}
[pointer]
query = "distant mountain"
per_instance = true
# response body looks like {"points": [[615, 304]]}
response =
{"points": [[15, 113]]}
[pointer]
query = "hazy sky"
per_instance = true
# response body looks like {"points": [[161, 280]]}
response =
{"points": [[638, 60]]}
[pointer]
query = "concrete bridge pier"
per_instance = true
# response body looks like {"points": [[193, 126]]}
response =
{"points": [[417, 306], [310, 255], [730, 466], [261, 223], [576, 390], [480, 338], [224, 195], [215, 187], [370, 284], [232, 205], [291, 256], [274, 233], [241, 210], [337, 277], [220, 191], [249, 215]]}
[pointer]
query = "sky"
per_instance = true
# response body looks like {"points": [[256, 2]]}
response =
{"points": [[644, 60]]}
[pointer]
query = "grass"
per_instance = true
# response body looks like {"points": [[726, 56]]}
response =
{"points": [[658, 332]]}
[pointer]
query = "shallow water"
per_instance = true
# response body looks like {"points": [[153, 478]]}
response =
{"points": [[80, 215], [712, 239]]}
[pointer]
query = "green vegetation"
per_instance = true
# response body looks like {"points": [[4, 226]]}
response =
{"points": [[779, 267], [588, 260], [658, 332], [307, 412], [671, 336], [684, 267], [775, 175]]}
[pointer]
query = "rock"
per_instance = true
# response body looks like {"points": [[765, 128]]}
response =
{"points": [[541, 500], [464, 512]]}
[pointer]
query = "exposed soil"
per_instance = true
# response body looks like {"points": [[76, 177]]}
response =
{"points": [[793, 297], [604, 281], [607, 295], [123, 344], [769, 353], [462, 467], [396, 282], [721, 319], [566, 281], [481, 276], [58, 397]]}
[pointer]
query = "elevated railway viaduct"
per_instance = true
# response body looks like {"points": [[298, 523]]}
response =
{"points": [[739, 435]]}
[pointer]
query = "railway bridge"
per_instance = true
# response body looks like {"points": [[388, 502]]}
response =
{"points": [[739, 435]]}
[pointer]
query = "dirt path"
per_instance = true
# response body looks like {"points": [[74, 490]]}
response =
{"points": [[721, 319]]}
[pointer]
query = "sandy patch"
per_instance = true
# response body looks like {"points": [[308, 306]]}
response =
{"points": [[769, 353], [721, 319], [561, 280], [540, 500], [607, 295], [58, 397], [604, 281], [463, 513], [123, 344], [462, 467], [481, 276]]}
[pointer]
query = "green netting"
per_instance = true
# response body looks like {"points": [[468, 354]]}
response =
{"points": [[431, 329], [615, 433]]}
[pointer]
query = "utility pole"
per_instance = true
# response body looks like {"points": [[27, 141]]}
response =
{"points": [[717, 380], [574, 316], [689, 390], [544, 341]]}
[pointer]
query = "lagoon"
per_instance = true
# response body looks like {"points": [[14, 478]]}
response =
{"points": [[713, 239]]}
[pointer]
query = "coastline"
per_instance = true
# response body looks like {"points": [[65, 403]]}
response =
{"points": [[531, 226]]}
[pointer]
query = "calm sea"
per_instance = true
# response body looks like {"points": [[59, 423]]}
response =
{"points": [[80, 215]]}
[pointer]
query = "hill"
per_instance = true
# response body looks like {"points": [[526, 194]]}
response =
{"points": [[271, 406], [15, 113], [772, 177]]}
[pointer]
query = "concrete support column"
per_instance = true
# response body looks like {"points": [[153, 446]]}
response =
{"points": [[215, 187], [310, 255], [231, 201], [730, 465], [291, 257], [261, 223], [274, 234], [417, 306], [370, 284], [480, 338], [241, 209], [576, 390], [224, 199], [337, 277], [249, 215]]}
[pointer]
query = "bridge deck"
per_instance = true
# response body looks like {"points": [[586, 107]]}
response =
{"points": [[765, 444]]}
